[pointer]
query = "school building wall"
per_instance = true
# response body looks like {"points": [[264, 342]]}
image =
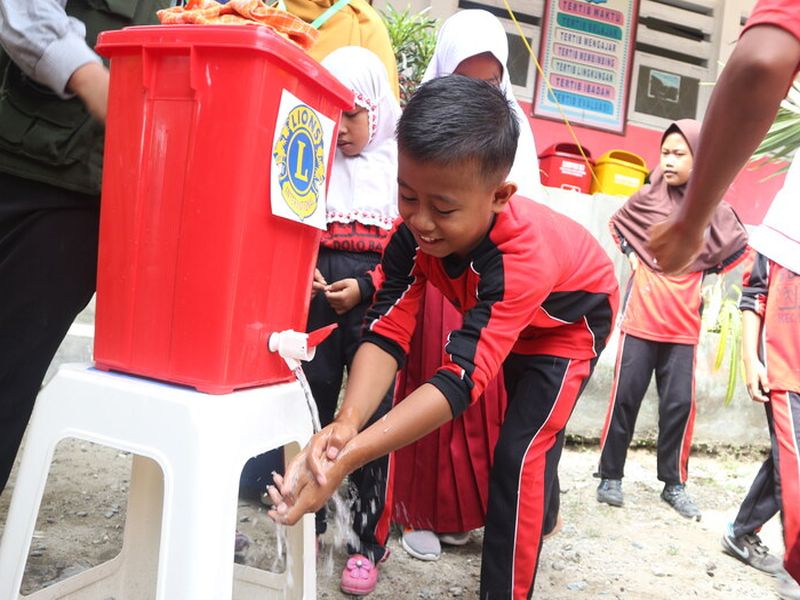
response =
{"points": [[692, 38], [689, 38]]}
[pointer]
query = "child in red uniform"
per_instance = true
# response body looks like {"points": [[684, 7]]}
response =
{"points": [[661, 325], [361, 208], [538, 295], [747, 94], [770, 348]]}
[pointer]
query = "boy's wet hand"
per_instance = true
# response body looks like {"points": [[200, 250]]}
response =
{"points": [[341, 433], [299, 493], [278, 505], [325, 447]]}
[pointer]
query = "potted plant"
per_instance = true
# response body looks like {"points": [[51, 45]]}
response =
{"points": [[413, 37], [721, 317], [783, 137]]}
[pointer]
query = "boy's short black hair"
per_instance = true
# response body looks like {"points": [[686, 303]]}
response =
{"points": [[455, 119]]}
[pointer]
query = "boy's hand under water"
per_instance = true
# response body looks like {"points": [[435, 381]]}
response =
{"points": [[313, 475]]}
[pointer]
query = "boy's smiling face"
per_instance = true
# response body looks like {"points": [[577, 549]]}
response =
{"points": [[449, 209]]}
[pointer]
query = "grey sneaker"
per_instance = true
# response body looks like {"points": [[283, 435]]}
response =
{"points": [[460, 538], [749, 549], [610, 492], [675, 495], [787, 588], [421, 544]]}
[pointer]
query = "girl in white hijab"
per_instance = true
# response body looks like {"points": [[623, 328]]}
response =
{"points": [[464, 39], [441, 480], [363, 185], [361, 208], [778, 236]]}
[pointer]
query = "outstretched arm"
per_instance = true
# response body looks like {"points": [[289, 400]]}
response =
{"points": [[740, 111], [316, 473]]}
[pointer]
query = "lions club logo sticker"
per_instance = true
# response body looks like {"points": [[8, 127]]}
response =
{"points": [[301, 146], [300, 158]]}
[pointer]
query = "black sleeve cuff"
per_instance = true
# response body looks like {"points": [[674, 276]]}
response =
{"points": [[749, 300], [624, 246], [727, 262], [365, 287], [454, 389], [389, 346]]}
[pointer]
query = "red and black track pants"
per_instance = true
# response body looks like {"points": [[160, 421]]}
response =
{"points": [[786, 420], [674, 366], [542, 392]]}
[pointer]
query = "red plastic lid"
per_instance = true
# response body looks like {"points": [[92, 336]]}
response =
{"points": [[246, 37], [566, 150]]}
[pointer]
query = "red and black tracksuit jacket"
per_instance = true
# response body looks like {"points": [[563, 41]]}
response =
{"points": [[773, 292], [538, 295]]}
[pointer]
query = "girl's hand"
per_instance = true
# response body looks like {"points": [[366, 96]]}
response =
{"points": [[319, 284], [633, 260], [755, 377], [343, 295]]}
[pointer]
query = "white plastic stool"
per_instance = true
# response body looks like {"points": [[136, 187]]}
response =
{"points": [[179, 534]]}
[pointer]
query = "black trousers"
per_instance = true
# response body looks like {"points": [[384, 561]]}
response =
{"points": [[369, 485], [763, 500], [523, 483], [673, 364], [48, 267]]}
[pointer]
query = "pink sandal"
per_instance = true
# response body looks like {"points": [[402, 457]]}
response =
{"points": [[360, 575]]}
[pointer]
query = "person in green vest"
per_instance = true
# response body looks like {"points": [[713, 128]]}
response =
{"points": [[53, 100]]}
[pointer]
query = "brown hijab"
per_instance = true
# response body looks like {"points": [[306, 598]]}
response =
{"points": [[726, 237]]}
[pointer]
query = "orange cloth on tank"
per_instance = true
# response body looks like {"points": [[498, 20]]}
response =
{"points": [[242, 12]]}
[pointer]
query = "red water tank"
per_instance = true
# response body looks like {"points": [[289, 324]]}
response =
{"points": [[562, 166], [196, 267]]}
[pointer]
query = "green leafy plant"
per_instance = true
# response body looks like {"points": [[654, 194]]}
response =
{"points": [[783, 138], [413, 37], [721, 315]]}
